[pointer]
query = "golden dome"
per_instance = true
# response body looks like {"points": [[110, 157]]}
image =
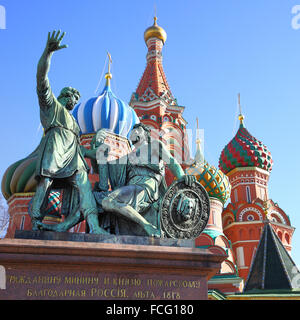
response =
{"points": [[155, 31]]}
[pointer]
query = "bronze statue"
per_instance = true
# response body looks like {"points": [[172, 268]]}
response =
{"points": [[59, 155], [131, 197], [143, 182]]}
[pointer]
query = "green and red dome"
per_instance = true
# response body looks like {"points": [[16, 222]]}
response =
{"points": [[245, 151]]}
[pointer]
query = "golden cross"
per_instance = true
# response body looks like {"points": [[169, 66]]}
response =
{"points": [[241, 117], [109, 61]]}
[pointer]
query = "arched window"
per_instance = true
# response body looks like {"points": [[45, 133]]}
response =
{"points": [[241, 234], [287, 238], [251, 234], [236, 195], [240, 256], [248, 194], [22, 223]]}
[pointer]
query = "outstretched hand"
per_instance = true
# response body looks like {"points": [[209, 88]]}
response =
{"points": [[54, 40]]}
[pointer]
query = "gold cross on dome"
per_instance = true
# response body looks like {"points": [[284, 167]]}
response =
{"points": [[241, 117], [109, 61]]}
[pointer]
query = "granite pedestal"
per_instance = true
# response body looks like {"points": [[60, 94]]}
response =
{"points": [[50, 265]]}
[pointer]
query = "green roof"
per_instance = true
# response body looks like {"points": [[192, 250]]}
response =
{"points": [[272, 267]]}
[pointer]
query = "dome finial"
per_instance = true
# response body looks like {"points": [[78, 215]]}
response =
{"points": [[155, 31], [241, 116], [198, 156], [198, 141], [108, 75]]}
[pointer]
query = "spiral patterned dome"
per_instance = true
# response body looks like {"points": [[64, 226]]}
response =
{"points": [[215, 182], [245, 151], [105, 112]]}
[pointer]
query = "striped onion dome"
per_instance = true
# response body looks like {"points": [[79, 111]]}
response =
{"points": [[245, 151], [19, 177], [215, 182], [105, 112]]}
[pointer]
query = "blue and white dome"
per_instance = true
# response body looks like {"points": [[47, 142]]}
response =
{"points": [[105, 112]]}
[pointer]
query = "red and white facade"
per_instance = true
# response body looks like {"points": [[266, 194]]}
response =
{"points": [[157, 108], [243, 218]]}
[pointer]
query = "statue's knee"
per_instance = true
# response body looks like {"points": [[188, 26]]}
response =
{"points": [[107, 203]]}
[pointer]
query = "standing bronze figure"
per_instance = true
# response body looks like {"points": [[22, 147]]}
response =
{"points": [[59, 155]]}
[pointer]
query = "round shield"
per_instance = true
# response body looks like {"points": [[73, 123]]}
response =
{"points": [[184, 210]]}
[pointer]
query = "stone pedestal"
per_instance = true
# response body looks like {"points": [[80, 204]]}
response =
{"points": [[104, 267]]}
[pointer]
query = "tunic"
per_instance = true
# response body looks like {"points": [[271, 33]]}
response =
{"points": [[59, 153]]}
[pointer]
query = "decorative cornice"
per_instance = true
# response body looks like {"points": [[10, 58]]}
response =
{"points": [[240, 169]]}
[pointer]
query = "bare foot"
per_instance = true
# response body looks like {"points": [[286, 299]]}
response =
{"points": [[47, 227], [152, 231], [98, 230]]}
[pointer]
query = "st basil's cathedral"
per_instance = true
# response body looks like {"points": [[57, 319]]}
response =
{"points": [[245, 223]]}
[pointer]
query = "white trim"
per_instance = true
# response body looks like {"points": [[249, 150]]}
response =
{"points": [[230, 173], [149, 105], [235, 281], [18, 199], [241, 214], [279, 216], [236, 184], [243, 223], [243, 241]]}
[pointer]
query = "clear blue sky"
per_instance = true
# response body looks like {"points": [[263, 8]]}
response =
{"points": [[214, 50]]}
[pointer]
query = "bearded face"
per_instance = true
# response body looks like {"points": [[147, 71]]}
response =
{"points": [[69, 98], [186, 208], [138, 136]]}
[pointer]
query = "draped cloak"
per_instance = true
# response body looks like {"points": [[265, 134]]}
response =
{"points": [[59, 154]]}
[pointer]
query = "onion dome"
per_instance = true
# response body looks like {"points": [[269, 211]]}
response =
{"points": [[245, 151], [20, 176], [105, 112], [155, 31], [215, 182]]}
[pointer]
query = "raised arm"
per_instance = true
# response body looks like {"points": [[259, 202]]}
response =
{"points": [[53, 44]]}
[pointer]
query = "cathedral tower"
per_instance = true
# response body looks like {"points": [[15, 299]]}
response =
{"points": [[154, 102], [247, 162]]}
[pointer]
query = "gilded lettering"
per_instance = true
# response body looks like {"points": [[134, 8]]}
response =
{"points": [[144, 294]]}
